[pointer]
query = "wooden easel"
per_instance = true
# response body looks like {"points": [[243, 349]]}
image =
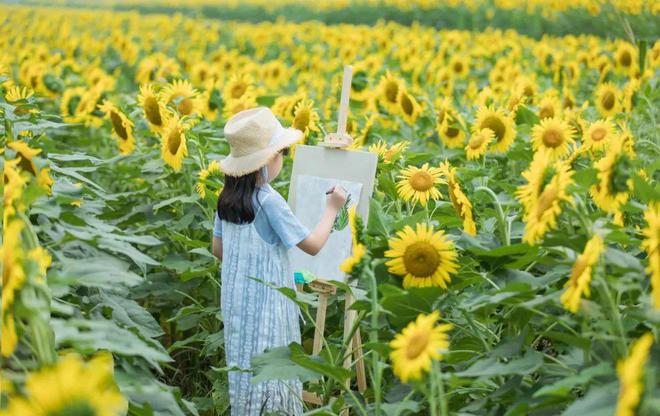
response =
{"points": [[339, 139]]}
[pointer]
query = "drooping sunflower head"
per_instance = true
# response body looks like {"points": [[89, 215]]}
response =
{"points": [[173, 143], [419, 184], [389, 90], [451, 133], [608, 99], [578, 282], [154, 107], [409, 107], [615, 171], [305, 117], [553, 135], [423, 257], [122, 126], [459, 200], [478, 144], [181, 95], [421, 342], [502, 125]]}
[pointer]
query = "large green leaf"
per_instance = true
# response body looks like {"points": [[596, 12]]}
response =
{"points": [[491, 366]]}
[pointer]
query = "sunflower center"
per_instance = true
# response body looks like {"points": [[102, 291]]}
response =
{"points": [[302, 119], [547, 112], [237, 90], [391, 91], [608, 100], [552, 138], [152, 111], [417, 344], [174, 140], [118, 125], [406, 104], [625, 59], [598, 134], [495, 124], [74, 408], [421, 181], [452, 132], [26, 164], [421, 259], [185, 106], [458, 67], [548, 196]]}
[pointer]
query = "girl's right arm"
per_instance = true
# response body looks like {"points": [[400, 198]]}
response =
{"points": [[317, 238]]}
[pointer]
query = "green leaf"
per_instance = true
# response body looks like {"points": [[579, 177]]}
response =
{"points": [[129, 313], [563, 386], [378, 223], [526, 116], [405, 305], [599, 400], [276, 364], [489, 367]]}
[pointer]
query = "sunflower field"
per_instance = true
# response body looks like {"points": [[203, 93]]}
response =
{"points": [[510, 264]]}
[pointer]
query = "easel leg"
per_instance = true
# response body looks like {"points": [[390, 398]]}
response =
{"points": [[320, 323], [359, 365]]}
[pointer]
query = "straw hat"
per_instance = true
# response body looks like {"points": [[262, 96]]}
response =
{"points": [[254, 137]]}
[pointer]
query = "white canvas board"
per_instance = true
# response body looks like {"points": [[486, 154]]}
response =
{"points": [[325, 264]]}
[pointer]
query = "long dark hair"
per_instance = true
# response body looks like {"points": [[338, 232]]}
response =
{"points": [[235, 200]]}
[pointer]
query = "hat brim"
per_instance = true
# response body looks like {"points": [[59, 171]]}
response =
{"points": [[239, 166]]}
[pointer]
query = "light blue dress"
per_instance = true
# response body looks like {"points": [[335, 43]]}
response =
{"points": [[256, 316]]}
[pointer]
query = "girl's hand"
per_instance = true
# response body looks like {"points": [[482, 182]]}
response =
{"points": [[336, 198]]}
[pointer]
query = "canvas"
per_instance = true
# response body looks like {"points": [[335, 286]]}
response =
{"points": [[325, 265]]}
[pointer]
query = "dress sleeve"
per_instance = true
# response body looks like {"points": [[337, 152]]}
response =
{"points": [[217, 226], [286, 225]]}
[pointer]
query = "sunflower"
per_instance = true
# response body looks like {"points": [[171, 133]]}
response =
{"points": [[409, 107], [651, 244], [630, 371], [13, 278], [154, 108], [25, 156], [625, 58], [546, 189], [388, 154], [419, 184], [502, 125], [16, 93], [181, 95], [420, 342], [69, 102], [629, 94], [235, 106], [423, 257], [608, 99], [389, 88], [305, 117], [359, 249], [121, 126], [71, 387], [459, 66], [238, 86], [614, 179], [550, 107], [598, 135], [458, 199], [478, 144], [581, 272], [451, 133], [173, 143], [552, 135], [212, 171]]}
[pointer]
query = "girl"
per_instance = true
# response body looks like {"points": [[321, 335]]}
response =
{"points": [[254, 228]]}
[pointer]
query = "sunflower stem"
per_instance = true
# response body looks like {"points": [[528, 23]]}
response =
{"points": [[607, 295], [441, 390], [373, 338], [504, 226]]}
